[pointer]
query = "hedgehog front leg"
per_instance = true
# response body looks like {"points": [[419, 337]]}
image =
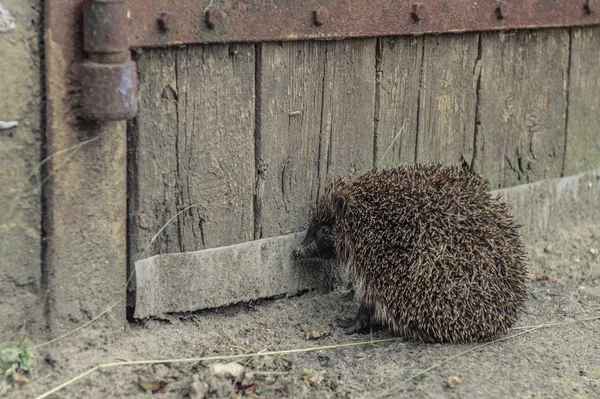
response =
{"points": [[360, 321]]}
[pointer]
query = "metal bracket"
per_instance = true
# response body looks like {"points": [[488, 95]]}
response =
{"points": [[109, 76]]}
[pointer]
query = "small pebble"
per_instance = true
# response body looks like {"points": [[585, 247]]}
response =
{"points": [[453, 381], [269, 380], [593, 251], [224, 369]]}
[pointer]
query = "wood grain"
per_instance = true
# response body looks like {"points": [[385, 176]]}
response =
{"points": [[447, 102], [194, 150], [291, 104], [315, 122], [583, 125], [398, 79], [348, 109], [522, 106]]}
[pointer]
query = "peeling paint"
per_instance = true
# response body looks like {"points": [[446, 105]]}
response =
{"points": [[7, 22], [128, 87], [8, 124]]}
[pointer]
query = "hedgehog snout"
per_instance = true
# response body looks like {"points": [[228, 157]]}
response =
{"points": [[297, 253], [305, 251]]}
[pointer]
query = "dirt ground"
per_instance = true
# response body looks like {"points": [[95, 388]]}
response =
{"points": [[552, 362]]}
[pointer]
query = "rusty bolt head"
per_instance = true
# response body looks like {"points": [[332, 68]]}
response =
{"points": [[417, 12], [320, 16], [214, 17], [501, 10], [164, 21]]}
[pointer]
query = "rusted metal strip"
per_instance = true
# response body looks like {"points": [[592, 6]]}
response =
{"points": [[169, 22]]}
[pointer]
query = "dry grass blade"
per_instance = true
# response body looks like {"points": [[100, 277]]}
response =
{"points": [[303, 350], [29, 386], [119, 301], [84, 325], [207, 358], [246, 363], [393, 141], [166, 224], [560, 323], [390, 391], [71, 151]]}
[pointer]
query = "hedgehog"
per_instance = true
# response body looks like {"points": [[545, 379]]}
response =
{"points": [[433, 255]]}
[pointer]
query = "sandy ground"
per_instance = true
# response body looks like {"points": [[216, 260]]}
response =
{"points": [[552, 362]]}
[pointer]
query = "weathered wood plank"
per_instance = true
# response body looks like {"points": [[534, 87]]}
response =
{"points": [[398, 78], [193, 156], [291, 103], [152, 139], [348, 109], [316, 122], [522, 106], [448, 98], [583, 124]]}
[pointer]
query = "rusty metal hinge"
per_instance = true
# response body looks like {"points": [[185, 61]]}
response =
{"points": [[108, 76]]}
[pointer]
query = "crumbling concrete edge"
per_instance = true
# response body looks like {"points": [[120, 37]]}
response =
{"points": [[181, 282], [554, 204]]}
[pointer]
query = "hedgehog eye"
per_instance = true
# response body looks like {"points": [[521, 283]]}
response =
{"points": [[325, 230]]}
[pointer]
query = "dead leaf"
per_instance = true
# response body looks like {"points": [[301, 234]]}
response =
{"points": [[315, 379], [152, 386], [551, 280], [307, 373], [317, 334], [233, 369], [454, 380], [20, 379]]}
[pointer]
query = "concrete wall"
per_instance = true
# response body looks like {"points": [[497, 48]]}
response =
{"points": [[20, 148]]}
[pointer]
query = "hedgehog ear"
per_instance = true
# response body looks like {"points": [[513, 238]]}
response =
{"points": [[339, 204]]}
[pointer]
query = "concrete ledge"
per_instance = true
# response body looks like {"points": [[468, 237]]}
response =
{"points": [[551, 205], [182, 282]]}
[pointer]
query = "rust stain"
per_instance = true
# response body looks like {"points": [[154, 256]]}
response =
{"points": [[109, 76], [192, 21]]}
